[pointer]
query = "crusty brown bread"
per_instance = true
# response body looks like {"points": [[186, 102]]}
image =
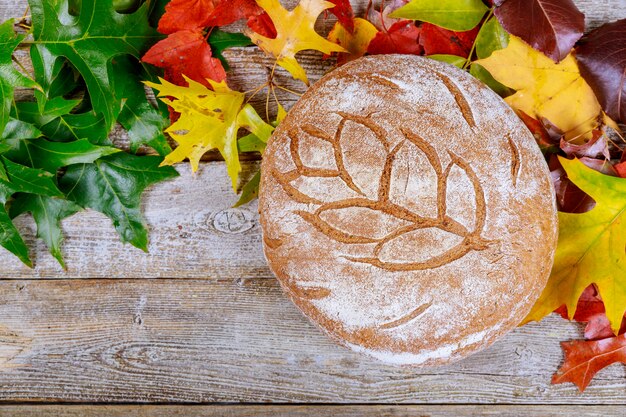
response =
{"points": [[407, 211]]}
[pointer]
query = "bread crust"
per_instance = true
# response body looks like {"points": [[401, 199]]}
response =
{"points": [[407, 211]]}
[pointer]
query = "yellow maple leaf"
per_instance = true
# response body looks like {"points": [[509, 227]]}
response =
{"points": [[295, 32], [544, 89], [590, 248], [355, 42], [209, 119]]}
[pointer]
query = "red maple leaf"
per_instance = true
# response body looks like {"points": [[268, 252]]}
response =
{"points": [[437, 40], [401, 38], [583, 359], [186, 52], [196, 14]]}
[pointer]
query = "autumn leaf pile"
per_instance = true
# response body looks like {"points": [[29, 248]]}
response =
{"points": [[56, 158]]}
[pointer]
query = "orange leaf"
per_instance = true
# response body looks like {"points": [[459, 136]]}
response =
{"points": [[583, 359]]}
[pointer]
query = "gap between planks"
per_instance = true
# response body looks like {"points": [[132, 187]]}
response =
{"points": [[310, 410]]}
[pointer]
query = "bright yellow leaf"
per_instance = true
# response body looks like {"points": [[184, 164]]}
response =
{"points": [[545, 89], [355, 42], [295, 32], [209, 119], [591, 248]]}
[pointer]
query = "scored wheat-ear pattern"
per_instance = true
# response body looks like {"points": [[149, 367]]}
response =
{"points": [[472, 239]]}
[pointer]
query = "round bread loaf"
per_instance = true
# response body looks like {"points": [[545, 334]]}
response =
{"points": [[407, 211]]}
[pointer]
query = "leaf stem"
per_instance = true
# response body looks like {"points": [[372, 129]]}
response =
{"points": [[288, 90], [468, 60]]}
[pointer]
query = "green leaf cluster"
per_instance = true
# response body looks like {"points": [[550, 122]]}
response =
{"points": [[55, 154]]}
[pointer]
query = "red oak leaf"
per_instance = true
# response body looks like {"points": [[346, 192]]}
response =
{"points": [[550, 26], [437, 40], [401, 38], [186, 52], [583, 359], [602, 59], [196, 14], [345, 14]]}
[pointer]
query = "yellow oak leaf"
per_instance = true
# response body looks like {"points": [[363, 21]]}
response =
{"points": [[295, 32], [355, 42], [544, 89], [591, 248], [209, 119]]}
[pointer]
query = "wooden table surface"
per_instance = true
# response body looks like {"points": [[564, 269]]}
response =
{"points": [[199, 325]]}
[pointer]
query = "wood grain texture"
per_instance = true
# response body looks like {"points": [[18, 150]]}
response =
{"points": [[308, 411], [240, 340], [226, 333]]}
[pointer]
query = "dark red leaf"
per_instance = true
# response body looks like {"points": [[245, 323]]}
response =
{"points": [[602, 60], [345, 14], [437, 40], [550, 26], [401, 38], [583, 359], [186, 52]]}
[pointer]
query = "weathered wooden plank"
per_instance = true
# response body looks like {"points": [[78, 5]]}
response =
{"points": [[240, 340], [310, 411]]}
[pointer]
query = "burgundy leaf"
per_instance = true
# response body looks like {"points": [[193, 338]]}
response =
{"points": [[550, 26], [602, 60]]}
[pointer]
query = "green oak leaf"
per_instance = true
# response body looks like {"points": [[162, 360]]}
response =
{"points": [[457, 15], [10, 78], [47, 213], [144, 123], [89, 42], [113, 186], [20, 178], [19, 130], [57, 123], [491, 37], [24, 179], [10, 237], [38, 116], [50, 156], [457, 61], [220, 40]]}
